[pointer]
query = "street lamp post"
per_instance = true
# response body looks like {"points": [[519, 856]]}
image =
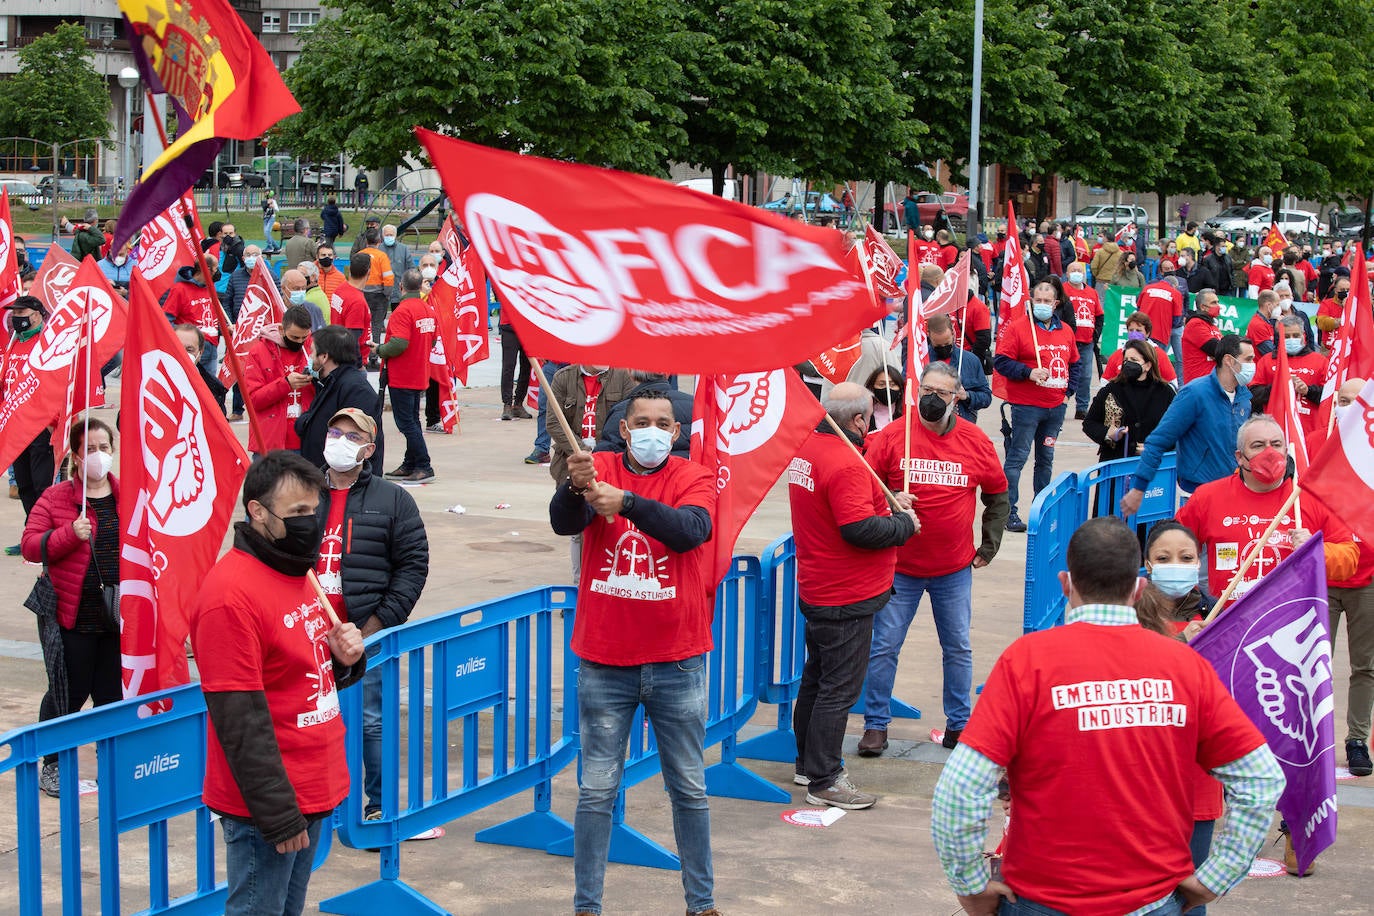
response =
{"points": [[128, 80], [973, 226]]}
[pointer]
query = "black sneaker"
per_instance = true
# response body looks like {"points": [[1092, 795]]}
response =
{"points": [[48, 780], [424, 475], [401, 473], [435, 428], [1357, 758], [1014, 523], [951, 737]]}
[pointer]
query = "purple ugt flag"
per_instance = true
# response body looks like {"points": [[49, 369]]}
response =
{"points": [[1272, 650]]}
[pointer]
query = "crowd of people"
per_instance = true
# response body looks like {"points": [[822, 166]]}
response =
{"points": [[884, 500]]}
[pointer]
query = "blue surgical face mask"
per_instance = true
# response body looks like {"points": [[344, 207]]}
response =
{"points": [[1293, 345], [298, 297], [1175, 579], [388, 240], [1042, 313], [1076, 277], [250, 261], [650, 446]]}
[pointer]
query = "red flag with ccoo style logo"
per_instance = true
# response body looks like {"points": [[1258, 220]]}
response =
{"points": [[182, 470], [951, 294], [262, 308], [1014, 302], [36, 387], [746, 428], [165, 244], [10, 286], [626, 270], [881, 266]]}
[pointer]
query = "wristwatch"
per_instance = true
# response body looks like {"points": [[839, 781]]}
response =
{"points": [[627, 503]]}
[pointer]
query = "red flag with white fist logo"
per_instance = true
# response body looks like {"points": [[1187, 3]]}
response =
{"points": [[181, 469], [626, 270]]}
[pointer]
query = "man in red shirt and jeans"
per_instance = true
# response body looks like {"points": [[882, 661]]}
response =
{"points": [[642, 631], [847, 540], [409, 338], [1063, 712]]}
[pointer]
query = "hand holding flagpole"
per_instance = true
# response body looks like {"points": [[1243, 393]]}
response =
{"points": [[1253, 555], [891, 499]]}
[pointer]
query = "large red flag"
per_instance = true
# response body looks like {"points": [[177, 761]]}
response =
{"points": [[181, 475], [9, 261], [952, 292], [36, 396], [165, 244], [84, 389], [881, 267], [262, 307], [1341, 476], [834, 364], [459, 300], [746, 428], [1275, 240], [54, 277], [1013, 303], [626, 270], [1352, 353], [1283, 407], [220, 80]]}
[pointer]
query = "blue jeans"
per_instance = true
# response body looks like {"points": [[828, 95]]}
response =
{"points": [[1031, 426], [1023, 907], [674, 699], [372, 734], [1200, 845], [1176, 357], [405, 409], [1082, 398], [262, 881], [951, 604]]}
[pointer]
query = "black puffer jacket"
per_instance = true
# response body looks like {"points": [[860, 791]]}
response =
{"points": [[346, 386], [385, 551]]}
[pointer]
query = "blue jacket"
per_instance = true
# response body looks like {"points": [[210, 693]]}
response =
{"points": [[1201, 424], [975, 382]]}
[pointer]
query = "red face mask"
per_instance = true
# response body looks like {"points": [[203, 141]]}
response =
{"points": [[1213, 310], [1269, 466]]}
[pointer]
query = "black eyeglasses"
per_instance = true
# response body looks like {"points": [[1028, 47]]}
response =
{"points": [[355, 438]]}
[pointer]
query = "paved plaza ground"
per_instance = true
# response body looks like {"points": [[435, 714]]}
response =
{"points": [[875, 861]]}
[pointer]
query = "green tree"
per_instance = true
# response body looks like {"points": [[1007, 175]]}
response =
{"points": [[57, 95], [803, 88], [594, 81], [1021, 90]]}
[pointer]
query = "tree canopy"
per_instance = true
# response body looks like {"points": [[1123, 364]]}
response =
{"points": [[57, 95]]}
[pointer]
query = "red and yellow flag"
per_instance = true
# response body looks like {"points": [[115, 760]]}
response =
{"points": [[223, 84], [1274, 239]]}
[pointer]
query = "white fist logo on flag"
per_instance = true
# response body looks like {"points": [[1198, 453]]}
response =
{"points": [[174, 448]]}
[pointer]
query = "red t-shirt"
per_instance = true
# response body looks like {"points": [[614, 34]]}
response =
{"points": [[1087, 306], [348, 307], [330, 568], [1260, 276], [256, 629], [1061, 710], [974, 317], [1310, 367], [1259, 331], [639, 602], [413, 320], [922, 253], [1166, 369], [188, 303], [1330, 308], [1227, 517], [945, 473], [828, 486], [948, 255], [1163, 303], [1196, 363], [1058, 350]]}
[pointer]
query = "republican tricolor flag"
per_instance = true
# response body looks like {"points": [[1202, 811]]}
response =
{"points": [[181, 474]]}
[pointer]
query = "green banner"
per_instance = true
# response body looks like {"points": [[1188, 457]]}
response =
{"points": [[1118, 304]]}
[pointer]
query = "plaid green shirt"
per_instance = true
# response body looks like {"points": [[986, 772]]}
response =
{"points": [[968, 787]]}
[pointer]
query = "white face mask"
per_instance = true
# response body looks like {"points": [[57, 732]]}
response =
{"points": [[98, 465], [120, 260], [1076, 277], [649, 447], [342, 455], [928, 234], [250, 261], [429, 273]]}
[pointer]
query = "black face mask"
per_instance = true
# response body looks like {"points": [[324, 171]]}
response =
{"points": [[302, 538], [1341, 294], [1132, 372], [21, 325], [295, 345], [884, 395], [326, 263], [933, 408], [942, 352]]}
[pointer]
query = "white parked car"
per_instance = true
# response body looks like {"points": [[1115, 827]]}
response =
{"points": [[1107, 215], [1289, 221], [1232, 218]]}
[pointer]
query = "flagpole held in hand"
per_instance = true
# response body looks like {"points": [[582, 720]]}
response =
{"points": [[574, 441], [908, 403], [324, 599], [1253, 555], [86, 396], [891, 499]]}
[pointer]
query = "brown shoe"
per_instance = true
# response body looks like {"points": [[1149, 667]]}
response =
{"points": [[520, 413], [14, 492], [507, 413], [1290, 858], [873, 743], [711, 912]]}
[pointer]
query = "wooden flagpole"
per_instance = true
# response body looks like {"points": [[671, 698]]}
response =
{"points": [[1253, 555], [891, 499]]}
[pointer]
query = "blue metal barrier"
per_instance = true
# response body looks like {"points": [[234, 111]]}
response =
{"points": [[149, 770], [1072, 499], [731, 698], [781, 645], [490, 668]]}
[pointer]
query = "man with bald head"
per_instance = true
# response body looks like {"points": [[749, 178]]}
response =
{"points": [[1354, 597], [293, 289], [847, 538]]}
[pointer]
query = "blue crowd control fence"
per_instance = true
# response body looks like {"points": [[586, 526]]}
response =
{"points": [[781, 646], [149, 771], [1070, 500], [731, 696], [474, 725]]}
